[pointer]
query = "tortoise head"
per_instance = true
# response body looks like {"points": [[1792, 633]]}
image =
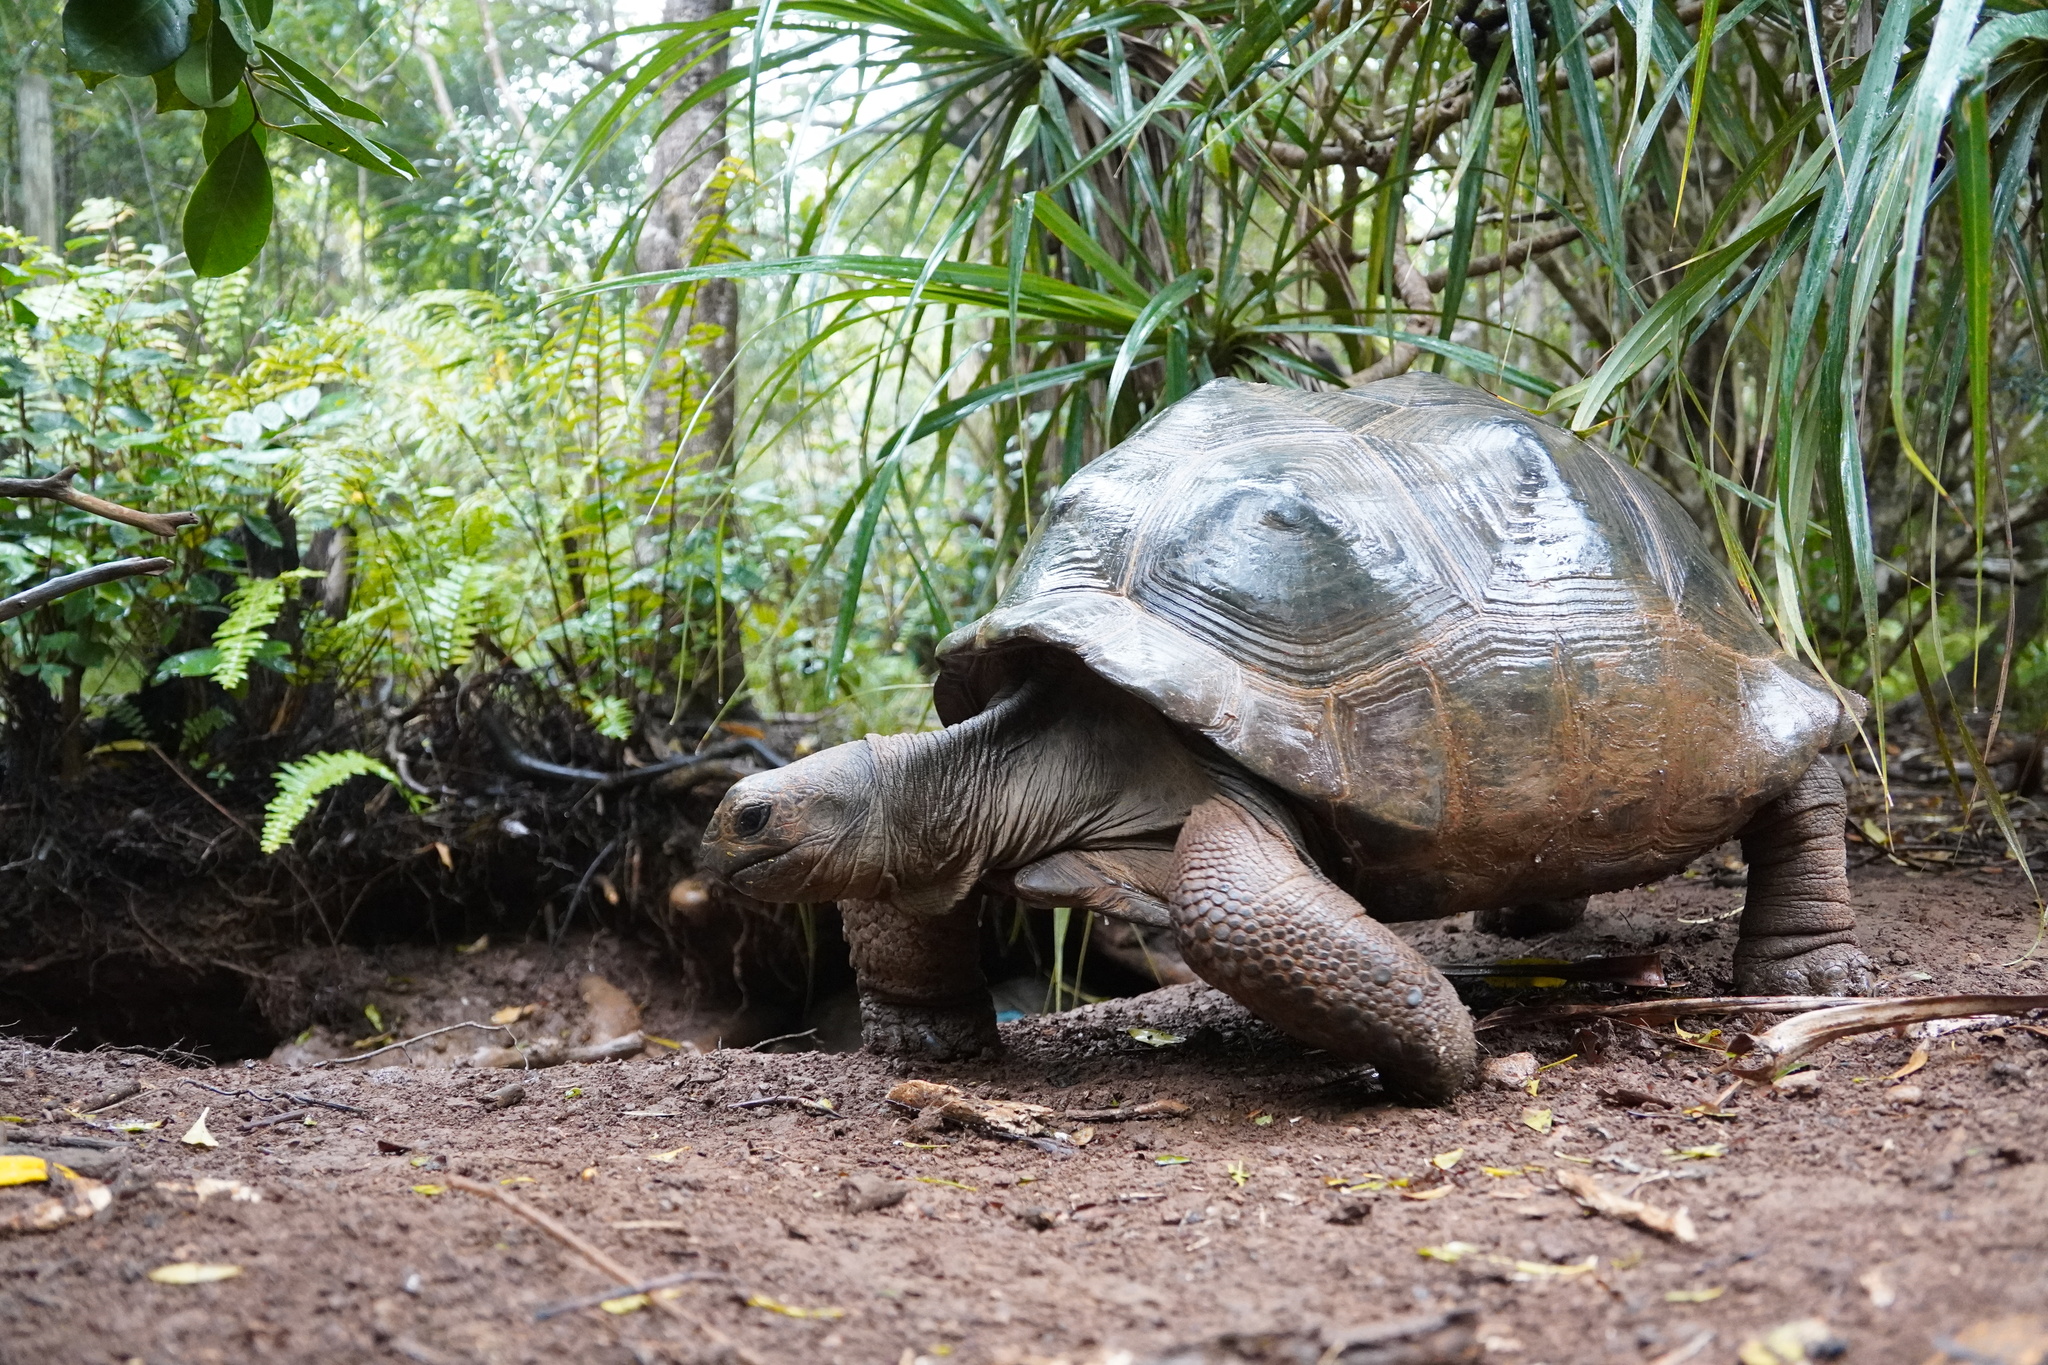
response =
{"points": [[800, 833]]}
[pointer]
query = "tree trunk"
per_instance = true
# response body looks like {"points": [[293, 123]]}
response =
{"points": [[686, 218], [684, 226], [38, 158]]}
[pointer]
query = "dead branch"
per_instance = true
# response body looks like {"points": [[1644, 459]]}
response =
{"points": [[1591, 1194], [57, 488], [601, 1259], [1413, 287], [430, 1033], [1516, 253], [684, 770], [24, 602], [1758, 1058], [1521, 1016], [1374, 150]]}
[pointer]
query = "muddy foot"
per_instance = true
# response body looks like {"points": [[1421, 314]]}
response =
{"points": [[1838, 969], [939, 1033]]}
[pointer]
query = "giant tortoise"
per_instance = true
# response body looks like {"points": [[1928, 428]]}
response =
{"points": [[1284, 667]]}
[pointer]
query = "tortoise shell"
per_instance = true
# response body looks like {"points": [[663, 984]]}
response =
{"points": [[1490, 662]]}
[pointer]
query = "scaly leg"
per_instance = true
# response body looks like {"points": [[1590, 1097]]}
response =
{"points": [[921, 989], [1798, 933], [1262, 925]]}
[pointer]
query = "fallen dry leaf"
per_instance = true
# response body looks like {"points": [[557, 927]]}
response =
{"points": [[197, 1135], [791, 1310], [1591, 1194], [512, 1014], [2020, 1340], [1913, 1064], [1443, 1161], [23, 1170], [1536, 1119], [194, 1272]]}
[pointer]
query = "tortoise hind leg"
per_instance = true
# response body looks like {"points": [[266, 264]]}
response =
{"points": [[921, 989], [1798, 934], [1261, 924], [1532, 920]]}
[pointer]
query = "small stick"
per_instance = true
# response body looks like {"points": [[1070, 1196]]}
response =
{"points": [[1760, 1057], [120, 1094], [324, 1104], [1519, 1015], [813, 1106], [430, 1033], [1156, 1109], [268, 1120], [781, 1038], [598, 1257], [555, 1310]]}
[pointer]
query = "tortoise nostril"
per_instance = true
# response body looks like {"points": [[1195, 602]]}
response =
{"points": [[751, 819]]}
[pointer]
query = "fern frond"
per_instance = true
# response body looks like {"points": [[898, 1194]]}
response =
{"points": [[303, 782], [456, 608], [253, 609]]}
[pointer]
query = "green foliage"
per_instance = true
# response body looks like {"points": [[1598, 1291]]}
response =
{"points": [[302, 782], [207, 57]]}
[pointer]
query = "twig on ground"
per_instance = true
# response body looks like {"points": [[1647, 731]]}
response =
{"points": [[1516, 1016], [780, 1038], [555, 1310], [1758, 1058], [324, 1104], [271, 1119], [408, 1042], [684, 770], [810, 1106], [1156, 1109], [599, 1258], [1593, 1195], [120, 1094]]}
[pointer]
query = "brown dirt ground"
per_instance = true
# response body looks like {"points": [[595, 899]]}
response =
{"points": [[1897, 1223]]}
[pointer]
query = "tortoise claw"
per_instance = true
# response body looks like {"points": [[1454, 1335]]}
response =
{"points": [[1838, 969], [938, 1033]]}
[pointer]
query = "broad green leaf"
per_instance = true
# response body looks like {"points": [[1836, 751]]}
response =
{"points": [[210, 72], [127, 37], [235, 16], [309, 90], [228, 217], [228, 122], [334, 138]]}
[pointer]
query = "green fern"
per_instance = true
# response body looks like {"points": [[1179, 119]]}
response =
{"points": [[301, 783], [611, 716], [456, 608], [253, 609]]}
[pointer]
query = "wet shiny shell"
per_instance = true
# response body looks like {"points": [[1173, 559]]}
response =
{"points": [[1491, 661]]}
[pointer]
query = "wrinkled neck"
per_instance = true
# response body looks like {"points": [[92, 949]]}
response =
{"points": [[1064, 761]]}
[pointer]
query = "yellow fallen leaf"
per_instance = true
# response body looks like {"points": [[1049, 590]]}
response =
{"points": [[1536, 1119], [791, 1310], [512, 1014], [139, 1126], [1503, 1172], [670, 1155], [1443, 1161], [1707, 1153], [1693, 1295], [1434, 1192], [196, 1135], [1450, 1253], [1537, 1270], [949, 1184], [193, 1272], [23, 1170], [515, 1180], [1913, 1064], [483, 942], [430, 1189], [1153, 1037], [671, 1044], [625, 1303], [1169, 1159], [1238, 1173]]}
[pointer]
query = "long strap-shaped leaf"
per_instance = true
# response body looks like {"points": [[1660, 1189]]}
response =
{"points": [[1149, 318]]}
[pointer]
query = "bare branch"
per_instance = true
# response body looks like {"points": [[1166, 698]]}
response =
{"points": [[24, 602], [57, 488], [1516, 253]]}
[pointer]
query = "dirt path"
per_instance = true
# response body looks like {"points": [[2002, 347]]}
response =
{"points": [[1897, 1220]]}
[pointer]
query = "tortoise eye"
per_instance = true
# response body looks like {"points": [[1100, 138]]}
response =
{"points": [[751, 819]]}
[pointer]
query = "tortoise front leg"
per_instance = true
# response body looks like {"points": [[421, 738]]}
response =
{"points": [[1798, 934], [922, 993], [1260, 924]]}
